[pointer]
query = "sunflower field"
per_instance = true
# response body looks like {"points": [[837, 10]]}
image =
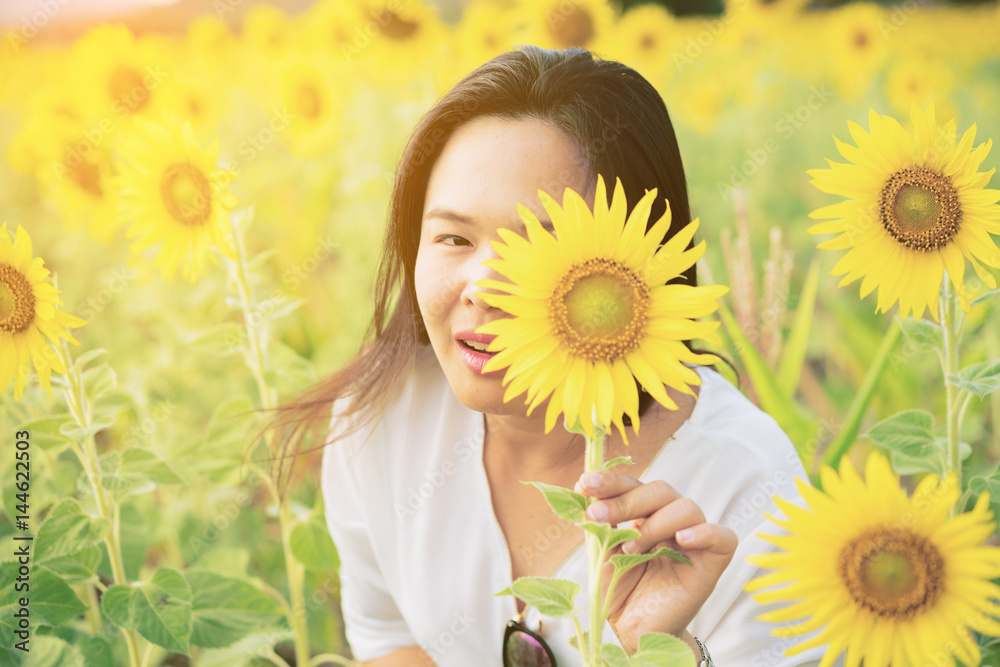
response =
{"points": [[190, 225]]}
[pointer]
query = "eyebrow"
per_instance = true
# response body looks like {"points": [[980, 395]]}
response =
{"points": [[447, 214]]}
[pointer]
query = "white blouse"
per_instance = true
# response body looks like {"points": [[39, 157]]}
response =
{"points": [[408, 506]]}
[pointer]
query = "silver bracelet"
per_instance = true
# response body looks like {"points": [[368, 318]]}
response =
{"points": [[706, 658]]}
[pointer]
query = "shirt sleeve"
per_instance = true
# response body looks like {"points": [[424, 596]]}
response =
{"points": [[739, 632], [373, 623]]}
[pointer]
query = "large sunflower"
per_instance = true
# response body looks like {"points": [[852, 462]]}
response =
{"points": [[28, 309], [917, 207], [591, 312], [172, 193], [888, 578]]}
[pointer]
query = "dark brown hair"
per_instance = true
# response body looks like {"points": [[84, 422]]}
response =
{"points": [[617, 118]]}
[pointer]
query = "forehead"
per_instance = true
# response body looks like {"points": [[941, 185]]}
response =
{"points": [[491, 164]]}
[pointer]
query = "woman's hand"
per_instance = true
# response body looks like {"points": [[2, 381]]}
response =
{"points": [[660, 595]]}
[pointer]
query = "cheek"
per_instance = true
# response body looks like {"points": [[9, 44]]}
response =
{"points": [[434, 288]]}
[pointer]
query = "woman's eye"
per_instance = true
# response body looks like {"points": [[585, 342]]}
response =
{"points": [[451, 239]]}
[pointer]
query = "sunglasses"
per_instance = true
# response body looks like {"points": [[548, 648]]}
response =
{"points": [[525, 648]]}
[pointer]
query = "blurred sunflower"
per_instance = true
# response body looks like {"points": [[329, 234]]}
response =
{"points": [[918, 206], [856, 48], [268, 32], [591, 312], [406, 35], [485, 30], [116, 76], [887, 578], [914, 80], [310, 92], [77, 177], [332, 27], [557, 24], [28, 310], [645, 38], [173, 194]]}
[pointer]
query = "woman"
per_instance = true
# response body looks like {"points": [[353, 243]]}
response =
{"points": [[421, 478]]}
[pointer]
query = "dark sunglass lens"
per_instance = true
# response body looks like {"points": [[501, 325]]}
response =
{"points": [[523, 650]]}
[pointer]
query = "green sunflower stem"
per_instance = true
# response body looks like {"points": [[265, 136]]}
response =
{"points": [[595, 555], [256, 358], [951, 323], [86, 451]]}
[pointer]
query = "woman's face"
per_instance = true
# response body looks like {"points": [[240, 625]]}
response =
{"points": [[488, 166]]}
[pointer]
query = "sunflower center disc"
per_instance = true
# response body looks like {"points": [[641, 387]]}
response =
{"points": [[86, 175], [127, 87], [310, 103], [186, 194], [17, 301], [892, 573], [396, 27], [599, 309], [575, 29], [919, 208]]}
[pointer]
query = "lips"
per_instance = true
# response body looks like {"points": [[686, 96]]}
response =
{"points": [[475, 359]]}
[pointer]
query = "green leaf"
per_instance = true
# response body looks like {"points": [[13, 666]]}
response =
{"points": [[614, 656], [659, 649], [910, 432], [224, 610], [72, 430], [793, 355], [981, 484], [220, 339], [983, 297], [159, 610], [609, 537], [620, 460], [225, 560], [862, 399], [67, 530], [980, 379], [45, 431], [312, 546], [86, 358], [923, 335], [77, 567], [772, 397], [568, 504], [135, 470], [625, 562], [52, 599], [100, 381], [49, 651], [552, 597]]}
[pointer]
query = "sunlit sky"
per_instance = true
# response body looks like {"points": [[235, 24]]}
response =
{"points": [[14, 12]]}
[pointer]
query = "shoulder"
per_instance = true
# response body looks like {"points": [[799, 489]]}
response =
{"points": [[731, 457], [423, 397]]}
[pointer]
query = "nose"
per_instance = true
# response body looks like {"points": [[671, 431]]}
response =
{"points": [[472, 295]]}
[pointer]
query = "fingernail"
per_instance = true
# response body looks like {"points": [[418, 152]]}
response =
{"points": [[590, 480], [684, 535], [598, 511], [629, 546]]}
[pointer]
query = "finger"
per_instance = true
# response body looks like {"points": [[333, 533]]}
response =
{"points": [[604, 484], [664, 523], [637, 503], [711, 538]]}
